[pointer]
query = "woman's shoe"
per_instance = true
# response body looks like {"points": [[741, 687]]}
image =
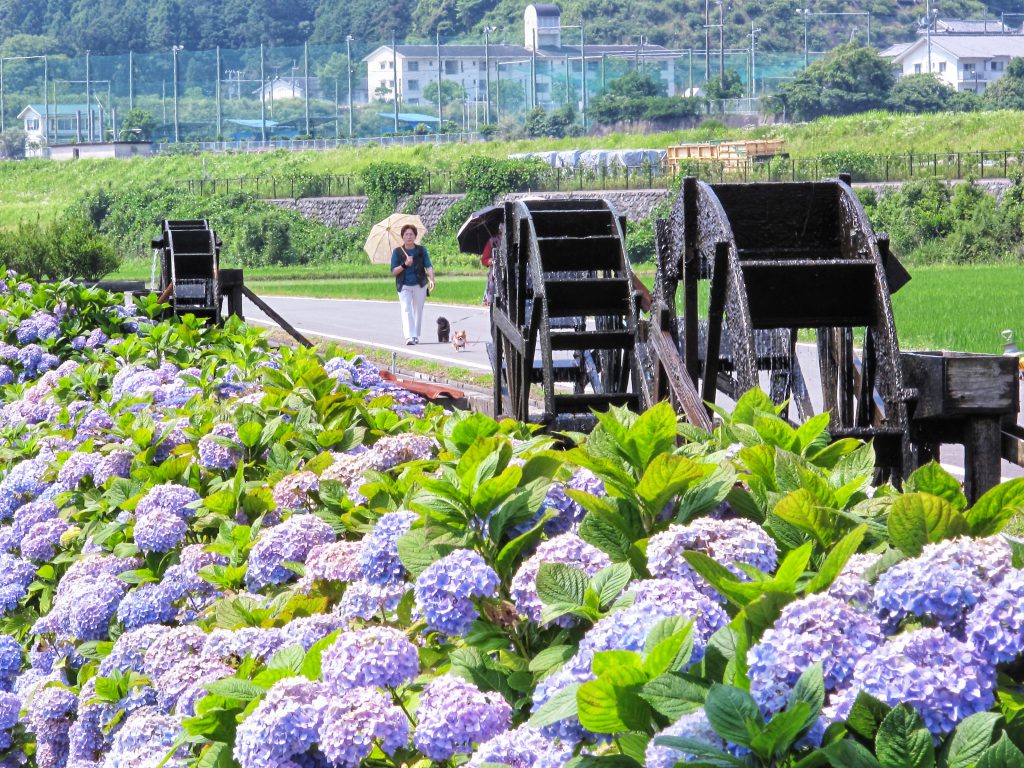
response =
{"points": [[415, 339], [409, 342]]}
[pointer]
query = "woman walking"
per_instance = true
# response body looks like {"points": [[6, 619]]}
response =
{"points": [[414, 278]]}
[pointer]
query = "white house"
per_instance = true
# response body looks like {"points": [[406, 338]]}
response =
{"points": [[281, 88], [409, 69], [67, 122], [964, 62]]}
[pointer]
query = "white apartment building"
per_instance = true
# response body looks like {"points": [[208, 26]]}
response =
{"points": [[966, 62], [544, 58]]}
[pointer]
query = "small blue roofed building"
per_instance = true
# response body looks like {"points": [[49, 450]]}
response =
{"points": [[408, 120]]}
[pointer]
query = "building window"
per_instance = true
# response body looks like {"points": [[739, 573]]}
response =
{"points": [[413, 66], [917, 69], [414, 85], [942, 67], [383, 65], [969, 69], [32, 125], [451, 67]]}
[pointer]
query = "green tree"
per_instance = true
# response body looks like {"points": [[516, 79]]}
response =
{"points": [[451, 92], [920, 93], [849, 79], [137, 125], [556, 124], [728, 87], [1008, 91], [12, 144]]}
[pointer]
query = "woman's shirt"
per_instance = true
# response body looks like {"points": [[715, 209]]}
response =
{"points": [[408, 275]]}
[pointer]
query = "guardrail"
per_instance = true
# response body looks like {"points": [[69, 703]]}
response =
{"points": [[862, 168]]}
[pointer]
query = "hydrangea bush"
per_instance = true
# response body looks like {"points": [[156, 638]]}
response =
{"points": [[217, 554]]}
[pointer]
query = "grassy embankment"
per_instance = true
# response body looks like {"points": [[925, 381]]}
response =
{"points": [[31, 189]]}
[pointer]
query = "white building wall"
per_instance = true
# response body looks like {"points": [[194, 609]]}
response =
{"points": [[967, 74]]}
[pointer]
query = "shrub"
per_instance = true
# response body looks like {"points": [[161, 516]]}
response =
{"points": [[67, 248]]}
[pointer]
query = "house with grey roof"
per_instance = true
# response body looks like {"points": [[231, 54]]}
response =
{"points": [[67, 123], [545, 61], [966, 62]]}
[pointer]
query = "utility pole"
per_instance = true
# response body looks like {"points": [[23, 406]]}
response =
{"points": [[88, 98], [131, 82], [174, 74], [305, 83], [487, 73], [348, 55], [263, 96], [394, 74], [440, 118], [753, 65], [928, 32], [721, 43], [707, 40], [220, 112]]}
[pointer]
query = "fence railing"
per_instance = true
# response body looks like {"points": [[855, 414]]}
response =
{"points": [[862, 168], [296, 145]]}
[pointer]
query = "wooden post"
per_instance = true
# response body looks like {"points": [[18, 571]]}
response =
{"points": [[981, 456], [691, 274]]}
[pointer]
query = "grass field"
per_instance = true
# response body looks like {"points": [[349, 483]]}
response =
{"points": [[943, 307], [40, 188]]}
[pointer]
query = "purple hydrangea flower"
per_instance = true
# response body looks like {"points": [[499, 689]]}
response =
{"points": [[76, 467], [182, 685], [291, 541], [117, 463], [170, 647], [358, 720], [381, 656], [694, 726], [30, 515], [816, 628], [445, 591], [234, 645], [938, 675], [666, 597], [130, 649], [379, 556], [15, 576], [42, 539], [392, 450], [337, 561], [286, 723], [146, 604], [364, 600], [568, 549], [524, 747], [850, 586], [292, 491], [171, 498], [454, 715], [213, 455], [146, 736], [307, 631], [725, 541], [996, 625], [160, 531]]}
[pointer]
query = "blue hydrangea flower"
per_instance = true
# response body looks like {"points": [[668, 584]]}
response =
{"points": [[234, 645], [307, 631], [292, 491], [816, 628], [665, 597], [143, 740], [172, 498], [6, 375], [10, 710], [568, 549], [180, 687], [445, 591], [996, 625], [694, 726], [381, 656], [363, 600], [42, 539], [725, 541], [117, 463], [938, 675], [291, 541], [160, 531], [77, 466], [357, 721], [15, 576], [392, 450], [92, 605], [850, 586], [10, 662], [379, 556], [524, 747], [337, 561], [286, 723], [170, 647], [130, 649], [216, 456], [146, 604], [454, 715], [30, 514]]}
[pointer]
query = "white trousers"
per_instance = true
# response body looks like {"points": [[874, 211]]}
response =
{"points": [[412, 298]]}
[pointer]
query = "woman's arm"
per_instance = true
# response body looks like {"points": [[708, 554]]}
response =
{"points": [[397, 263]]}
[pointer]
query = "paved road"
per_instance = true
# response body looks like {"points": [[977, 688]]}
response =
{"points": [[378, 324]]}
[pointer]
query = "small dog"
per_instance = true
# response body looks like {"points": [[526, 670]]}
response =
{"points": [[459, 340], [443, 329]]}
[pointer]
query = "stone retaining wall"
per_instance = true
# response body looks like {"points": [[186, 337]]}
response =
{"points": [[634, 204], [345, 212]]}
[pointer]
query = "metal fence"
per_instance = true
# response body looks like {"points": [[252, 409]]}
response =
{"points": [[267, 94], [862, 168]]}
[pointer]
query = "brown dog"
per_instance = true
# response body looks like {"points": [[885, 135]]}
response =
{"points": [[458, 340]]}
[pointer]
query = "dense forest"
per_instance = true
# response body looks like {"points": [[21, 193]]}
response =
{"points": [[116, 26]]}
